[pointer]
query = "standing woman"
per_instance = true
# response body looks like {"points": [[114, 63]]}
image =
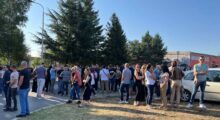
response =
{"points": [[140, 94], [150, 81], [87, 83]]}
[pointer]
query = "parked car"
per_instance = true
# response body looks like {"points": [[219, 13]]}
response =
{"points": [[212, 91]]}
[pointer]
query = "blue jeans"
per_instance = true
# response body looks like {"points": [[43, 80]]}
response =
{"points": [[23, 97], [126, 87], [60, 84], [65, 87], [202, 86], [150, 90], [75, 92]]}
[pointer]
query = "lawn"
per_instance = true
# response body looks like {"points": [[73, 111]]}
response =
{"points": [[109, 109]]}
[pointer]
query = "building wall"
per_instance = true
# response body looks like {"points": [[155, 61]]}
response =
{"points": [[191, 58]]}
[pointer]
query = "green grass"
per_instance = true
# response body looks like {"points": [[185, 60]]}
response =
{"points": [[109, 109]]}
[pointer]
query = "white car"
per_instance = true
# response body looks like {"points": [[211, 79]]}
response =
{"points": [[212, 90]]}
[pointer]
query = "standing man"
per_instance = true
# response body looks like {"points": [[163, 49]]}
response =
{"points": [[1, 80], [176, 77], [125, 82], [200, 72], [6, 79], [52, 78], [104, 76], [66, 76], [41, 75], [13, 84], [24, 87], [157, 73]]}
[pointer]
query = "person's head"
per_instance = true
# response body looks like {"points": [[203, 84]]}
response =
{"points": [[87, 71], [165, 76], [13, 67], [7, 67], [137, 67], [126, 65], [143, 68], [53, 66], [149, 67], [24, 64], [103, 66], [174, 63], [165, 69], [158, 67], [201, 59], [74, 69]]}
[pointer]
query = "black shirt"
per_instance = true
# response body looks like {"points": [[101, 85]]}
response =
{"points": [[26, 81]]}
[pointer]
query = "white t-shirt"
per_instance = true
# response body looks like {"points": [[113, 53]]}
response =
{"points": [[104, 74], [14, 76], [148, 78], [2, 72], [93, 79]]}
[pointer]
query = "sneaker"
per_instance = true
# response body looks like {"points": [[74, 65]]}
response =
{"points": [[157, 98], [14, 109], [189, 105], [126, 102], [148, 107], [7, 109], [121, 102], [202, 106], [19, 116], [69, 102]]}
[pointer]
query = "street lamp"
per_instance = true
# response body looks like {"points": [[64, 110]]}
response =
{"points": [[42, 42]]}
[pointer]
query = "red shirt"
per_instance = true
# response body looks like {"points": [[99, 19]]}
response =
{"points": [[77, 77]]}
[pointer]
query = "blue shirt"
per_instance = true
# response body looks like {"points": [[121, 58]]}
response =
{"points": [[41, 73], [52, 74], [157, 73], [201, 68]]}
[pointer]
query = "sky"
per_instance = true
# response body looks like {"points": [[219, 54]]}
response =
{"points": [[184, 25]]}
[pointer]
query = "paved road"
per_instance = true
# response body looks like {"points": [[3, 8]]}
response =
{"points": [[35, 104]]}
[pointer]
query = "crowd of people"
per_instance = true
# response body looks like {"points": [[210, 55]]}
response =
{"points": [[144, 80]]}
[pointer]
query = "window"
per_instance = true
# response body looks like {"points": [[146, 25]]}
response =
{"points": [[189, 76], [214, 76]]}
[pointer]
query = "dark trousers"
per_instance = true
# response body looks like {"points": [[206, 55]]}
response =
{"points": [[87, 93], [112, 84], [96, 84], [117, 83], [140, 93], [93, 89], [157, 88], [11, 95], [65, 87], [202, 86], [150, 90], [124, 87], [47, 84], [6, 87]]}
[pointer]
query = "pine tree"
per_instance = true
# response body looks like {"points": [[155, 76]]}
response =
{"points": [[77, 33], [12, 18], [115, 51], [149, 50]]}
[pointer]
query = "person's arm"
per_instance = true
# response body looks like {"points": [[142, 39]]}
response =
{"points": [[20, 82], [152, 76], [137, 76], [122, 77], [45, 73], [87, 79]]}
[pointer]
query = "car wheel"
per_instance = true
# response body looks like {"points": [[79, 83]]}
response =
{"points": [[186, 95]]}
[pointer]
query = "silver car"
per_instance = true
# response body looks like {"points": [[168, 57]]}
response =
{"points": [[212, 91]]}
